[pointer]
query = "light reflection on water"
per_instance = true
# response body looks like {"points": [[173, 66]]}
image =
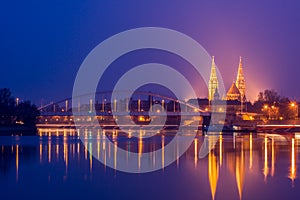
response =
{"points": [[243, 166]]}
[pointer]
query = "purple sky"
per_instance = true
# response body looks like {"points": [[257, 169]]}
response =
{"points": [[43, 43]]}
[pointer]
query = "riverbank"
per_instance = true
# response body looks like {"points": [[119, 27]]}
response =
{"points": [[18, 130]]}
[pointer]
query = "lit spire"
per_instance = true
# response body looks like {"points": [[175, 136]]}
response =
{"points": [[213, 68], [213, 80], [240, 81]]}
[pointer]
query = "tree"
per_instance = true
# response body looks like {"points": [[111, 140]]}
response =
{"points": [[27, 113], [10, 113], [274, 106], [271, 96], [7, 107]]}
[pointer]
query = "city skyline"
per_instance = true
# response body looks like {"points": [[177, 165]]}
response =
{"points": [[44, 54]]}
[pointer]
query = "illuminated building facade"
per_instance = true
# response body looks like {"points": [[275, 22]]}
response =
{"points": [[237, 90], [213, 83]]}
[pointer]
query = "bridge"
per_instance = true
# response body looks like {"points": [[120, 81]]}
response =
{"points": [[142, 106]]}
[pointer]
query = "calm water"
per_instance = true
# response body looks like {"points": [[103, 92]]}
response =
{"points": [[243, 166]]}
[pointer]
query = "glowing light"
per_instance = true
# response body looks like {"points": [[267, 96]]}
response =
{"points": [[91, 156], [220, 150], [213, 173], [240, 172], [41, 152], [251, 156], [115, 155], [57, 150], [163, 152], [293, 167], [139, 105], [273, 158], [17, 162], [293, 104], [140, 151], [49, 151], [195, 151], [98, 149], [266, 169]]}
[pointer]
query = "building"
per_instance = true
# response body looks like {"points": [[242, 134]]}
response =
{"points": [[237, 90], [240, 81], [233, 93], [213, 83]]}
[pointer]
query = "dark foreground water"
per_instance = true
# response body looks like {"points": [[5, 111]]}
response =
{"points": [[243, 166]]}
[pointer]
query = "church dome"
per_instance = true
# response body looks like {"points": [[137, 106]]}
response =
{"points": [[233, 93]]}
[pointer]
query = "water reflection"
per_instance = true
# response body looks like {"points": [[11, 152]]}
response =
{"points": [[235, 159], [213, 173], [293, 167]]}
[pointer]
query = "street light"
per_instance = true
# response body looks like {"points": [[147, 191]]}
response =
{"points": [[294, 105], [17, 101], [266, 107]]}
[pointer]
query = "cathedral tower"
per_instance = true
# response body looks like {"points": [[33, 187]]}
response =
{"points": [[213, 81], [240, 81]]}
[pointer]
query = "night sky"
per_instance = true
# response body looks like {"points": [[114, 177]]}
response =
{"points": [[43, 43]]}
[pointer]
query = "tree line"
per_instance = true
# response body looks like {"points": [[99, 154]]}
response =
{"points": [[275, 106], [14, 113]]}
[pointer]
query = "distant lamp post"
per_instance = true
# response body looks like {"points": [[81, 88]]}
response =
{"points": [[266, 108], [17, 101], [295, 106]]}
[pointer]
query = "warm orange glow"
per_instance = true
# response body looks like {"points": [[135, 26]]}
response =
{"points": [[115, 154], [221, 149], [91, 156], [293, 167], [140, 150], [273, 158], [98, 149], [17, 162], [251, 154], [163, 152], [139, 105], [66, 159], [141, 118], [115, 105], [85, 150], [266, 169], [195, 151], [41, 152], [104, 150], [49, 151], [213, 173], [240, 172]]}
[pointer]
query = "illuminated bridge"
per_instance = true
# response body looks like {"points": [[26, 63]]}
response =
{"points": [[142, 106]]}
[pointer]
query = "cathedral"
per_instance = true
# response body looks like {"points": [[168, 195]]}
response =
{"points": [[237, 90]]}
